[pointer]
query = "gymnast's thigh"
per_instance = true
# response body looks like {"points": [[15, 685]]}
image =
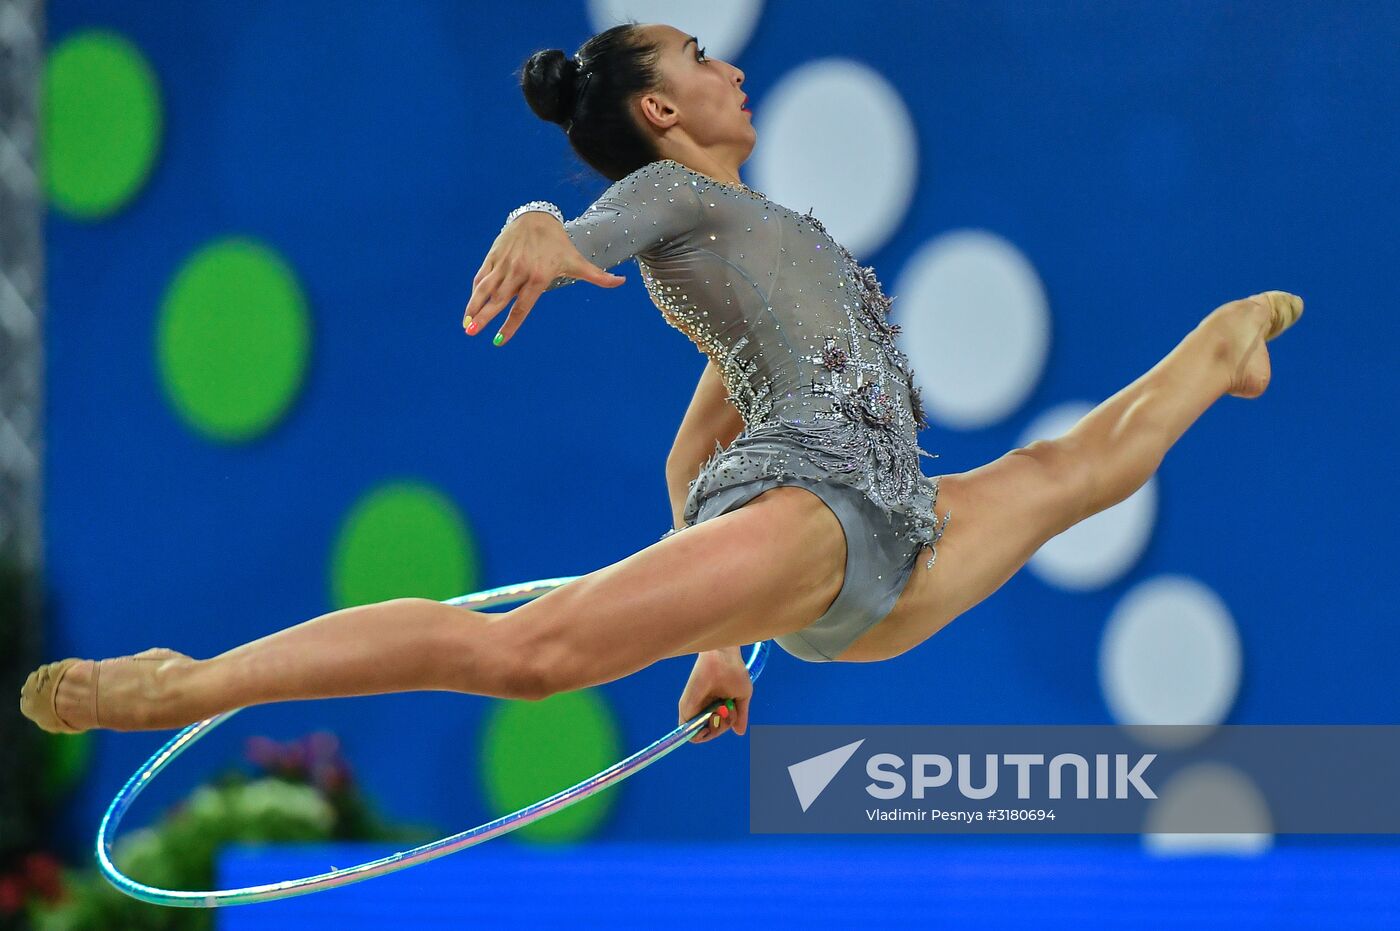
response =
{"points": [[820, 547], [767, 565], [999, 514]]}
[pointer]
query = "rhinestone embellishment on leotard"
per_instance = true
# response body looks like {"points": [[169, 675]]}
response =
{"points": [[776, 361], [833, 356], [876, 307]]}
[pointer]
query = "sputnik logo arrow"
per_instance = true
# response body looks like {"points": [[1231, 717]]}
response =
{"points": [[811, 776]]}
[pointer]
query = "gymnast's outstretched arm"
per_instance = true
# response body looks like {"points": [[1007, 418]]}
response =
{"points": [[653, 208]]}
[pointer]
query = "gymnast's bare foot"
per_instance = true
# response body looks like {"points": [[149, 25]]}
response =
{"points": [[1251, 323], [124, 694]]}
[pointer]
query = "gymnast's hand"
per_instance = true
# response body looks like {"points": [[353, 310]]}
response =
{"points": [[525, 258], [718, 674]]}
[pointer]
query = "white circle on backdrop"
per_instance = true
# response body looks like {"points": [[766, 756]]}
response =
{"points": [[1208, 793], [1170, 654], [723, 27], [976, 327], [858, 182], [1102, 548]]}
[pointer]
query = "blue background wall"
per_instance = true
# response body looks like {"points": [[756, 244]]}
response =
{"points": [[1153, 160]]}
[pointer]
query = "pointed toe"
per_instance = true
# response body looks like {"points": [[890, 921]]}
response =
{"points": [[37, 700], [1286, 307]]}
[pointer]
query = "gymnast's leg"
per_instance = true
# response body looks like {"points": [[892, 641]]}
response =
{"points": [[395, 645], [762, 570], [1008, 508]]}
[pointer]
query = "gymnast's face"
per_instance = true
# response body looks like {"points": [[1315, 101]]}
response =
{"points": [[701, 98]]}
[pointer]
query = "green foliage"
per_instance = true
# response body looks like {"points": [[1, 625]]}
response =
{"points": [[304, 794]]}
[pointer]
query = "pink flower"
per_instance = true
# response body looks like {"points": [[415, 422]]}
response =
{"points": [[44, 876], [294, 757], [261, 751]]}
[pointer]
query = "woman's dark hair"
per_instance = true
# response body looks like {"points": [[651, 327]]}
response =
{"points": [[589, 96]]}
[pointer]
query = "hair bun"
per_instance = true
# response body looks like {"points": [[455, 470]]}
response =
{"points": [[549, 81]]}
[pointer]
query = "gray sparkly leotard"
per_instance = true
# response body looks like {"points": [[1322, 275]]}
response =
{"points": [[799, 334]]}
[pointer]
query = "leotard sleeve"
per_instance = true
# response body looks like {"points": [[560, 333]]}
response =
{"points": [[653, 209]]}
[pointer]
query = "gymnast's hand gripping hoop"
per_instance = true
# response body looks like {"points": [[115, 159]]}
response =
{"points": [[398, 861]]}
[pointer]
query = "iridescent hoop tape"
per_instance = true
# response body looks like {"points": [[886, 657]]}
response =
{"points": [[398, 861]]}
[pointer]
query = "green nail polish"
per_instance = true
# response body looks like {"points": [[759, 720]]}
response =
{"points": [[498, 340]]}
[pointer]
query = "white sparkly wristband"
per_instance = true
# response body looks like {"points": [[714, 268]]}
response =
{"points": [[540, 205]]}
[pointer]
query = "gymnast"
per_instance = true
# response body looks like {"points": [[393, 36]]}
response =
{"points": [[800, 509]]}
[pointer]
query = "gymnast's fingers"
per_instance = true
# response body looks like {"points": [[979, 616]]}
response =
{"points": [[710, 726], [730, 714], [721, 719], [706, 731], [741, 716], [508, 288], [483, 285], [528, 295]]}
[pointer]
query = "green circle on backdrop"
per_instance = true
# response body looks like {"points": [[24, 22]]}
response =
{"points": [[533, 749], [233, 339], [402, 540], [100, 123]]}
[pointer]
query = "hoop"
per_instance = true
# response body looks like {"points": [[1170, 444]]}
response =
{"points": [[268, 892]]}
